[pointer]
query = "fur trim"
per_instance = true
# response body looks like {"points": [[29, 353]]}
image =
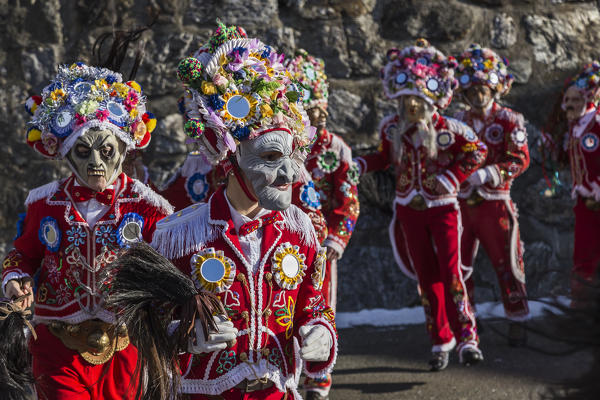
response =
{"points": [[509, 115], [296, 221], [42, 192], [459, 127], [152, 197], [341, 148], [386, 122], [184, 232]]}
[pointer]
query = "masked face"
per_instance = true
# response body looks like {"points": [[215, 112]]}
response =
{"points": [[269, 170], [479, 96], [318, 117], [96, 158], [573, 103], [414, 108]]}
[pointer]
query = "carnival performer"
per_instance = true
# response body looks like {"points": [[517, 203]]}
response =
{"points": [[580, 145], [431, 155], [335, 177], [488, 213], [247, 244], [74, 227]]}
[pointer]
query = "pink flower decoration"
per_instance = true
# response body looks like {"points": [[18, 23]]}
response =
{"points": [[220, 80], [409, 61], [101, 115], [80, 119], [420, 70]]}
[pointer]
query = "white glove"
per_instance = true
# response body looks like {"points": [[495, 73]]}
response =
{"points": [[478, 177], [316, 343], [216, 340]]}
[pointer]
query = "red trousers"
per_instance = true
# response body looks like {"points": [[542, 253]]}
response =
{"points": [[494, 224], [432, 241], [235, 394], [62, 374], [586, 254]]}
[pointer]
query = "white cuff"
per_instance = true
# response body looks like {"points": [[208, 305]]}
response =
{"points": [[447, 184], [493, 175], [331, 242], [10, 276]]}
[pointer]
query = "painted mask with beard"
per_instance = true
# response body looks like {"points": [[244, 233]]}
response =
{"points": [[414, 110], [318, 117], [96, 158], [269, 168], [573, 103]]}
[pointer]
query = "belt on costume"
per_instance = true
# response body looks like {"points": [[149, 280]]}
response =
{"points": [[591, 204], [95, 340], [417, 203], [248, 386], [474, 199]]}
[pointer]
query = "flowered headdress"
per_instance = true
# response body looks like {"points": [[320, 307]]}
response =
{"points": [[482, 66], [420, 70], [310, 74], [80, 98], [238, 89], [588, 82]]}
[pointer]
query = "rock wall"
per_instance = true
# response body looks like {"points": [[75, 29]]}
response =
{"points": [[546, 41]]}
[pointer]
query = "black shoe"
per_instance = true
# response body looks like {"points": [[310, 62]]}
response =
{"points": [[470, 356], [480, 327], [439, 360], [312, 395], [517, 334]]}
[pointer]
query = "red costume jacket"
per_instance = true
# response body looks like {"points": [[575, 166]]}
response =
{"points": [[69, 254], [267, 307], [459, 155], [583, 148], [335, 176], [504, 134]]}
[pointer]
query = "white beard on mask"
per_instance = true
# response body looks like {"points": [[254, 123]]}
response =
{"points": [[425, 135]]}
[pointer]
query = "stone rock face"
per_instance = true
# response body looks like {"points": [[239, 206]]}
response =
{"points": [[546, 41]]}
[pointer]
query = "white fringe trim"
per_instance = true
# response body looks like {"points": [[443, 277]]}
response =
{"points": [[195, 162], [42, 192], [152, 197], [303, 174], [185, 232], [341, 148], [512, 116], [296, 221], [459, 127]]}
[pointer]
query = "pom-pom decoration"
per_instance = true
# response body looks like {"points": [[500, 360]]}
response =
{"points": [[81, 97], [588, 81], [420, 70], [194, 128], [482, 66], [189, 71]]}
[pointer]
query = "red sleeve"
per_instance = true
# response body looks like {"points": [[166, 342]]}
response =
{"points": [[469, 154], [28, 253], [341, 220], [311, 309], [515, 158]]}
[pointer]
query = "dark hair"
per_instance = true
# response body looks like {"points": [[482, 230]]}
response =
{"points": [[148, 292]]}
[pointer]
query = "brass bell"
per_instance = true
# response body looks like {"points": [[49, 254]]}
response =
{"points": [[98, 340]]}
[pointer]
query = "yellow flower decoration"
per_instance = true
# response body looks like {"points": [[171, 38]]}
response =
{"points": [[285, 317], [288, 266], [57, 94], [488, 64], [212, 271], [467, 62], [265, 110], [101, 84], [133, 112], [208, 88], [121, 89], [468, 147]]}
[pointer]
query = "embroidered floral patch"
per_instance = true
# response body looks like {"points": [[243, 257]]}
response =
{"points": [[353, 174], [310, 197], [590, 142], [105, 235], [328, 161], [130, 229], [494, 134], [319, 275], [227, 360], [285, 317], [197, 187]]}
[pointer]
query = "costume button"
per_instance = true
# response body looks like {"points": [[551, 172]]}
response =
{"points": [[243, 356], [77, 194], [109, 196]]}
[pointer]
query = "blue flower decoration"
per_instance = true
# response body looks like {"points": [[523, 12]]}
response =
{"points": [[581, 83], [241, 133], [310, 197], [20, 225], [110, 79], [477, 53], [266, 52], [49, 234], [130, 229], [215, 102], [239, 75], [197, 187], [349, 224], [76, 235], [105, 235]]}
